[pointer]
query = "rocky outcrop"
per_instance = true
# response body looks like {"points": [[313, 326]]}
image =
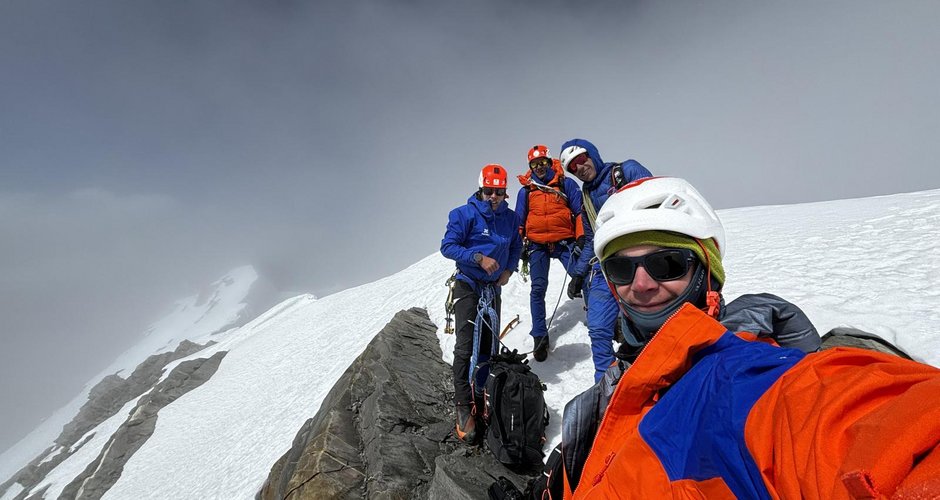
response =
{"points": [[113, 392], [385, 429], [105, 470], [105, 399], [467, 475], [853, 337]]}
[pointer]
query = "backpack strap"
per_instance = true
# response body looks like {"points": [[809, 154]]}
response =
{"points": [[617, 181], [588, 205]]}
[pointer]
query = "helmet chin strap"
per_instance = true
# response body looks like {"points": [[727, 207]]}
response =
{"points": [[712, 297]]}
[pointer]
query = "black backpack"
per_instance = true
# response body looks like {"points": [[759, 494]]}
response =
{"points": [[550, 483], [515, 410]]}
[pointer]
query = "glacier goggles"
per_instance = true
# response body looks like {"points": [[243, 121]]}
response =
{"points": [[576, 162], [540, 162], [668, 264], [490, 191]]}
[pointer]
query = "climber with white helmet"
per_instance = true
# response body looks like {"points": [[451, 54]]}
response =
{"points": [[482, 237], [581, 158], [736, 400]]}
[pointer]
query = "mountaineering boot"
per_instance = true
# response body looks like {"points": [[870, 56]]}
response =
{"points": [[466, 423], [541, 348]]}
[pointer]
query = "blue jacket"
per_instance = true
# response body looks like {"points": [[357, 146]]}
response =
{"points": [[599, 189], [475, 227]]}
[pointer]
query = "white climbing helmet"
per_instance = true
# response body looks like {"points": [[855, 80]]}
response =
{"points": [[569, 154], [658, 204]]}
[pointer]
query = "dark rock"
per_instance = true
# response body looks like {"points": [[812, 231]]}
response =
{"points": [[105, 399], [467, 476], [113, 392], [324, 457], [853, 337], [106, 469], [385, 429]]}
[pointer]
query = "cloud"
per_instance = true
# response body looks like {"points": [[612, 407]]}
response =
{"points": [[148, 148], [133, 205], [84, 272]]}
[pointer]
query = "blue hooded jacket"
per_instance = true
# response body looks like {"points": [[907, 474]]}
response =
{"points": [[599, 189], [476, 227]]}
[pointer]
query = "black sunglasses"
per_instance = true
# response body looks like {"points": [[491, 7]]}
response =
{"points": [[540, 162], [662, 265], [489, 192]]}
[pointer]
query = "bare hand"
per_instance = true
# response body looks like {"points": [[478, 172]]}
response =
{"points": [[504, 278], [489, 264]]}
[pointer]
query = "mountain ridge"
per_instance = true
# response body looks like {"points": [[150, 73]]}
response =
{"points": [[866, 262]]}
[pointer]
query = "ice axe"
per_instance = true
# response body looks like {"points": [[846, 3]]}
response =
{"points": [[509, 326]]}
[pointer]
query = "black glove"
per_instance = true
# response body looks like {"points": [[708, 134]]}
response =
{"points": [[574, 288], [525, 250], [578, 247], [503, 489]]}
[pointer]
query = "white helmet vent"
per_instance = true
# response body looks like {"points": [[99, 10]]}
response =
{"points": [[673, 202], [658, 204]]}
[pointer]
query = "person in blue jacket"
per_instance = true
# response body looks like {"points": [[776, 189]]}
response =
{"points": [[483, 238], [599, 181]]}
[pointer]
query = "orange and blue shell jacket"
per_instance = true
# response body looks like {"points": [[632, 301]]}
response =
{"points": [[704, 413], [549, 207]]}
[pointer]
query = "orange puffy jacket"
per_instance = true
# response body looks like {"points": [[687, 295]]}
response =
{"points": [[548, 217], [703, 413]]}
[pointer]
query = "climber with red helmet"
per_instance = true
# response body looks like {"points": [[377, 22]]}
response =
{"points": [[548, 205], [482, 237]]}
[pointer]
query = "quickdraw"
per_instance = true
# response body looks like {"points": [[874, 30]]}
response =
{"points": [[524, 273], [449, 304]]}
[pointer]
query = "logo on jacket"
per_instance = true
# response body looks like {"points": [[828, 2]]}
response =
{"points": [[486, 231]]}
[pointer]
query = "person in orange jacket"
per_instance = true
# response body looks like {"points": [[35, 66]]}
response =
{"points": [[704, 412], [548, 206]]}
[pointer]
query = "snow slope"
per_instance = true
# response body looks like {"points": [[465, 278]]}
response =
{"points": [[870, 263], [223, 305]]}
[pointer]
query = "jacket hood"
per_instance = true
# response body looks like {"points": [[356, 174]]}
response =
{"points": [[593, 154]]}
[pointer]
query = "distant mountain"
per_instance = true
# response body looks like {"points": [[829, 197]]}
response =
{"points": [[870, 263], [194, 321]]}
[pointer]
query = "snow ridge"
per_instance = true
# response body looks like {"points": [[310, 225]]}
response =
{"points": [[869, 263]]}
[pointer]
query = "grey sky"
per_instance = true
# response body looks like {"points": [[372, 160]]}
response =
{"points": [[148, 147]]}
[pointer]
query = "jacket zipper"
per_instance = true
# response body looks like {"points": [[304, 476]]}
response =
{"points": [[610, 457]]}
